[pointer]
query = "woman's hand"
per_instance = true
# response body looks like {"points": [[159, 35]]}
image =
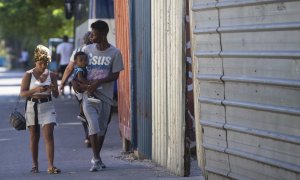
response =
{"points": [[40, 89]]}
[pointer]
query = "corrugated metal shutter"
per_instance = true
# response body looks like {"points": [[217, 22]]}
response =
{"points": [[141, 76], [247, 55], [168, 82]]}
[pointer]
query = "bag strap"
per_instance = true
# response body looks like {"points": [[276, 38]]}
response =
{"points": [[17, 104], [19, 97]]}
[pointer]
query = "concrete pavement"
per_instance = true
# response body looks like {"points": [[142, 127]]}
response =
{"points": [[71, 154]]}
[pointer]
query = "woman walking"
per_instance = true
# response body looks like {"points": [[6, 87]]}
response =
{"points": [[38, 86]]}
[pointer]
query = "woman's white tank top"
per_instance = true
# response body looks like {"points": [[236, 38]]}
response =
{"points": [[34, 83]]}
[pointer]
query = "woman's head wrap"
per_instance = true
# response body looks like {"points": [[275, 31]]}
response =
{"points": [[42, 53]]}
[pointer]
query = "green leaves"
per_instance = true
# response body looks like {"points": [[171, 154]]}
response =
{"points": [[29, 22]]}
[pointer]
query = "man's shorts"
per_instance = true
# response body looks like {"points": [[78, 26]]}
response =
{"points": [[46, 113], [97, 115]]}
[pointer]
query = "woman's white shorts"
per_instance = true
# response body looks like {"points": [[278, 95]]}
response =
{"points": [[46, 113]]}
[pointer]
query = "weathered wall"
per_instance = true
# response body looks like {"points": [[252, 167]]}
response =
{"points": [[168, 83], [247, 88]]}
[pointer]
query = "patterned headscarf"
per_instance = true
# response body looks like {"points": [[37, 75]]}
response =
{"points": [[42, 53]]}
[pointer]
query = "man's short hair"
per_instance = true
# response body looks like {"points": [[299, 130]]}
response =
{"points": [[101, 26]]}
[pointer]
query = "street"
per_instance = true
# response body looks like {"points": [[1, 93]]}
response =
{"points": [[71, 154]]}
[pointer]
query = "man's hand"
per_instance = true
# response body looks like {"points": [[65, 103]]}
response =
{"points": [[62, 86], [92, 87], [78, 87]]}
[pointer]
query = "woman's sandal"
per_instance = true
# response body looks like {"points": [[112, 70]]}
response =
{"points": [[34, 170], [53, 170]]}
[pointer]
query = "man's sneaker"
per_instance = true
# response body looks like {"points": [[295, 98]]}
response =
{"points": [[93, 99], [99, 162], [81, 117], [95, 165], [102, 164]]}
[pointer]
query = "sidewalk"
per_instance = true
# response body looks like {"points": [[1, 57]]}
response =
{"points": [[71, 154]]}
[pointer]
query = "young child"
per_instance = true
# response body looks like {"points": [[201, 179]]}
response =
{"points": [[80, 73]]}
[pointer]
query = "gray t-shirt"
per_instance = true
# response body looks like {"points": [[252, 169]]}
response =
{"points": [[101, 64]]}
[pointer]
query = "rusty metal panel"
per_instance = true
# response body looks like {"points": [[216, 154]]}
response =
{"points": [[123, 43], [168, 84], [247, 85], [140, 17]]}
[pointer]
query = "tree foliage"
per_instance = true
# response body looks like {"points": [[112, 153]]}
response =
{"points": [[26, 23]]}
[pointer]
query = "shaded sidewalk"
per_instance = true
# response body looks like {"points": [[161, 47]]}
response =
{"points": [[71, 154]]}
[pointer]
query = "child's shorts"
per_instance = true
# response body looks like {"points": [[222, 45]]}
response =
{"points": [[79, 96]]}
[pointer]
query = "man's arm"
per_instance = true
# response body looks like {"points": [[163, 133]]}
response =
{"points": [[58, 56], [80, 87], [111, 77], [67, 73]]}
